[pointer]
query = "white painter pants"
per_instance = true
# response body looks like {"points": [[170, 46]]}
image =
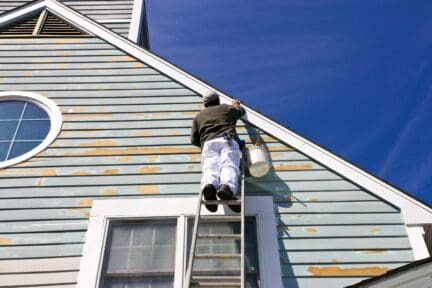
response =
{"points": [[220, 160]]}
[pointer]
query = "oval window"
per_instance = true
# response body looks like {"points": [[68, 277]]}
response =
{"points": [[28, 123]]}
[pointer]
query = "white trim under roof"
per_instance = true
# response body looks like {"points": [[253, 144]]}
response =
{"points": [[136, 20], [413, 211]]}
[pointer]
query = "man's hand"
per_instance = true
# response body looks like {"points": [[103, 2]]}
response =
{"points": [[235, 102]]}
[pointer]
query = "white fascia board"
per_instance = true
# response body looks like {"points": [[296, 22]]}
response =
{"points": [[16, 14], [413, 211], [136, 20]]}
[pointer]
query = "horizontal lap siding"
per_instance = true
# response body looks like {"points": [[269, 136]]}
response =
{"points": [[126, 134], [116, 15]]}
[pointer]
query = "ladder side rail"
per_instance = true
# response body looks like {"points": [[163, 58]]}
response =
{"points": [[193, 244], [243, 213]]}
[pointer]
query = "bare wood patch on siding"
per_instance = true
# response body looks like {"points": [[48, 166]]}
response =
{"points": [[149, 189], [134, 150], [5, 241], [99, 143], [337, 271], [149, 170], [285, 167]]}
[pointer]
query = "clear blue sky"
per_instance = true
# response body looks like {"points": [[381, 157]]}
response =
{"points": [[353, 76]]}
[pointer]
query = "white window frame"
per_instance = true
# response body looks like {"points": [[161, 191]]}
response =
{"points": [[103, 211], [54, 114]]}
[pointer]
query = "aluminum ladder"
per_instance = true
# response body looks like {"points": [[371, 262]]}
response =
{"points": [[236, 281]]}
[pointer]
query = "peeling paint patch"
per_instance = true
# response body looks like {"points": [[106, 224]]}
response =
{"points": [[190, 168], [81, 211], [135, 150], [285, 167], [100, 143], [375, 251], [334, 260], [195, 157], [65, 40], [63, 53], [111, 171], [311, 230], [137, 65], [40, 172], [375, 230], [143, 133], [120, 58], [174, 133], [86, 202], [152, 158], [149, 189], [337, 271], [312, 199], [5, 241], [80, 173], [28, 74], [40, 182], [149, 169], [109, 193], [125, 159]]}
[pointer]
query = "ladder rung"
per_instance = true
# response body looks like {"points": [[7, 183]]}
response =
{"points": [[219, 236], [215, 202], [219, 218], [215, 284], [216, 278], [224, 256]]}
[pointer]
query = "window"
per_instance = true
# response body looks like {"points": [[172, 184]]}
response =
{"points": [[28, 123], [130, 243], [140, 254]]}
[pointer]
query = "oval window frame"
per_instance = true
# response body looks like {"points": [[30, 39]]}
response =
{"points": [[54, 114]]}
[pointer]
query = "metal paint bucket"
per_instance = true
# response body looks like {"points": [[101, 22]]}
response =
{"points": [[258, 162]]}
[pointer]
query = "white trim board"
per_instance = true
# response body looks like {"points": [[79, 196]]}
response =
{"points": [[413, 211], [178, 207]]}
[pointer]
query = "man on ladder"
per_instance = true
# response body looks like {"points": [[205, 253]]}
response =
{"points": [[213, 130]]}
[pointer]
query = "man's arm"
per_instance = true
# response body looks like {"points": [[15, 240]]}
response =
{"points": [[195, 137]]}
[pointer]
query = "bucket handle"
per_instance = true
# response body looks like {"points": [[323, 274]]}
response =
{"points": [[258, 141]]}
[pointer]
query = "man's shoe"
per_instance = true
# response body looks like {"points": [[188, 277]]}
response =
{"points": [[235, 208], [209, 192], [225, 192]]}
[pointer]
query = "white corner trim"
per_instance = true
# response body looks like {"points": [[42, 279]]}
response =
{"points": [[417, 241], [414, 212], [48, 106], [178, 207], [136, 20]]}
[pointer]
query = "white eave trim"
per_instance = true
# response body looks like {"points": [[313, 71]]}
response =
{"points": [[136, 20], [413, 211]]}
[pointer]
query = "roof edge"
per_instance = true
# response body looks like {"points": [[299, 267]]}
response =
{"points": [[414, 212]]}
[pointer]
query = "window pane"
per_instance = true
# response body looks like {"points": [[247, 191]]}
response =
{"points": [[33, 129], [19, 148], [4, 147], [7, 129], [137, 251], [154, 282], [33, 111], [11, 109]]}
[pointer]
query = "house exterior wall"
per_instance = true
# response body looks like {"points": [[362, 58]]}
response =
{"points": [[113, 14], [126, 135]]}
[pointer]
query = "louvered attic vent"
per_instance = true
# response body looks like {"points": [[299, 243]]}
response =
{"points": [[43, 24]]}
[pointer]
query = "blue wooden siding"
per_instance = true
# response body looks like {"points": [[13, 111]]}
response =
{"points": [[126, 134], [113, 14]]}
